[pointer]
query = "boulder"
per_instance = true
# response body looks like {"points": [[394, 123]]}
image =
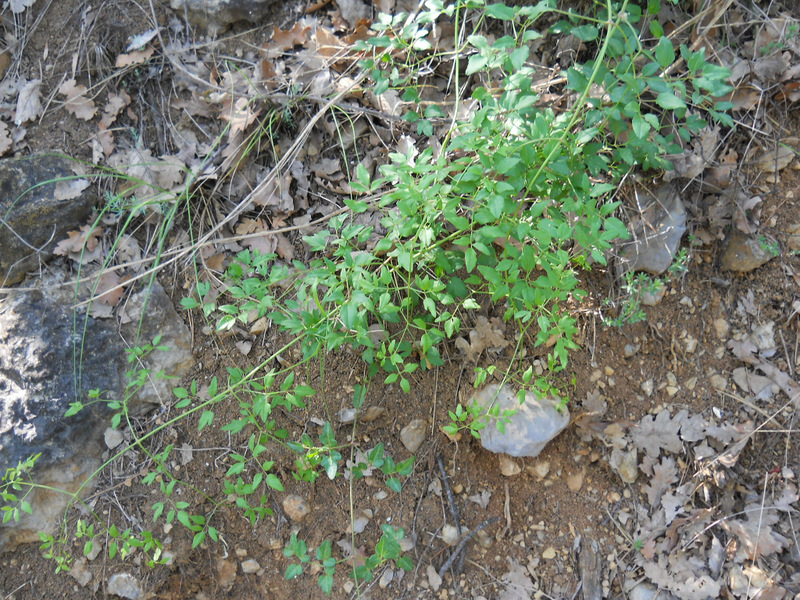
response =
{"points": [[216, 15], [51, 356], [36, 212]]}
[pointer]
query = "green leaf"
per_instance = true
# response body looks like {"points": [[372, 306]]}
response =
{"points": [[670, 101], [470, 259], [500, 11], [293, 571], [665, 53], [405, 563], [586, 33], [205, 420], [394, 485], [273, 482]]}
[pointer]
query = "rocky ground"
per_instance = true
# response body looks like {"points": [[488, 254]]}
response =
{"points": [[677, 472]]}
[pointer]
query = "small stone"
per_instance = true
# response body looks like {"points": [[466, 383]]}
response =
{"points": [[124, 585], [793, 237], [575, 481], [689, 344], [380, 495], [386, 578], [647, 387], [596, 374], [630, 349], [540, 469], [360, 522], [763, 336], [250, 566], [653, 298], [113, 437], [484, 539], [691, 383], [407, 544], [508, 467], [672, 390], [226, 573], [549, 553], [608, 371], [433, 578], [721, 328], [296, 507], [348, 586], [80, 573], [450, 534], [413, 434], [718, 382], [671, 379]]}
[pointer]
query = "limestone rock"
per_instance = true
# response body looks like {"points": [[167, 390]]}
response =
{"points": [[536, 422], [35, 218], [743, 254], [216, 15], [51, 356], [296, 507], [656, 232], [125, 585]]}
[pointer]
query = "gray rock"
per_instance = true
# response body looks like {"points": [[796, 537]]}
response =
{"points": [[34, 220], [51, 356], [413, 434], [536, 422], [656, 231], [743, 254], [216, 15], [124, 585]]}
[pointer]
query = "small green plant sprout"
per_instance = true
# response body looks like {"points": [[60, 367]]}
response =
{"points": [[769, 245], [16, 481]]}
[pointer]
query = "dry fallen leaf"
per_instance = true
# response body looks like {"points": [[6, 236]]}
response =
{"points": [[69, 189], [487, 334], [87, 237], [29, 105], [776, 160], [137, 57], [76, 101], [653, 435]]}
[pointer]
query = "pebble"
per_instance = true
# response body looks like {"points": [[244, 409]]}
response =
{"points": [[718, 382], [250, 566], [549, 553], [691, 383], [124, 585], [608, 371], [226, 573], [689, 344], [433, 578], [508, 467], [647, 387], [296, 507], [721, 328], [113, 437], [575, 481], [413, 434], [386, 578], [653, 298], [540, 469], [450, 534], [630, 349]]}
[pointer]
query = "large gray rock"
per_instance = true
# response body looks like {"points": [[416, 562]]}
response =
{"points": [[656, 231], [50, 357], [216, 15], [33, 219], [536, 422]]}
